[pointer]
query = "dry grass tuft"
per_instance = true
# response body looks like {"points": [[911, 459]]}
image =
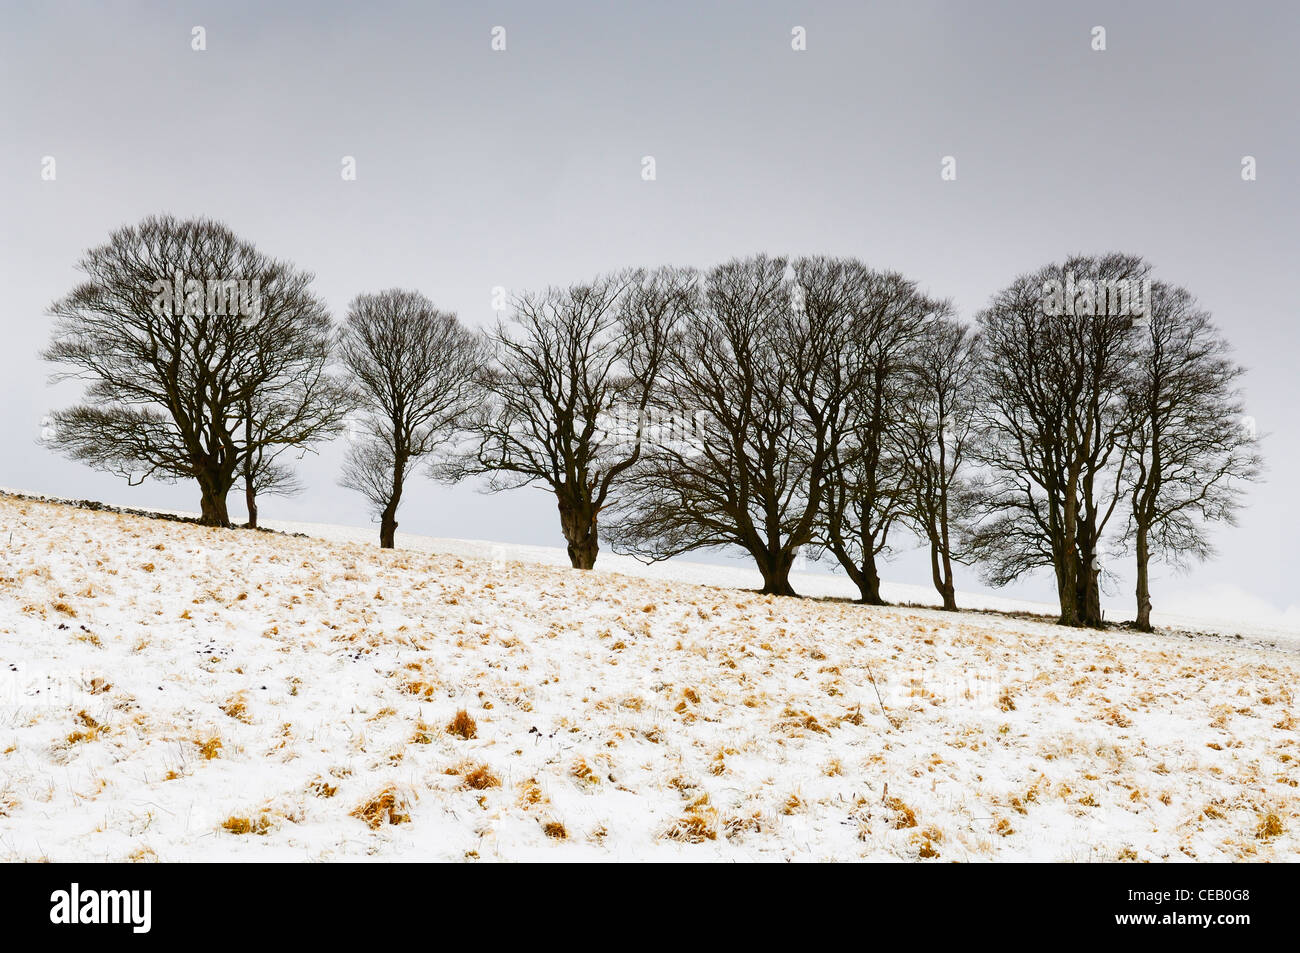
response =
{"points": [[386, 807], [555, 830], [463, 726], [245, 825], [739, 824], [319, 787], [530, 793], [1270, 826], [209, 749], [698, 824], [795, 720], [582, 772], [904, 816], [480, 779], [929, 837], [420, 689], [237, 708], [1113, 716], [90, 729]]}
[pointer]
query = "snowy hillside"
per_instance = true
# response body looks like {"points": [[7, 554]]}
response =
{"points": [[176, 693]]}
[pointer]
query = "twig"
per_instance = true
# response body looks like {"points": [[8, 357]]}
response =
{"points": [[879, 701]]}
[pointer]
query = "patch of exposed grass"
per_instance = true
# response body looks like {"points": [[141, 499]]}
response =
{"points": [[1270, 826], [247, 825], [386, 807], [463, 726], [319, 787], [480, 779], [90, 729], [698, 824], [795, 720], [904, 816], [237, 708]]}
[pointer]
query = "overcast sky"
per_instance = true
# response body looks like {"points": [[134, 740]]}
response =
{"points": [[522, 168]]}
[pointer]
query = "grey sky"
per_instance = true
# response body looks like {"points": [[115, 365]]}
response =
{"points": [[522, 168]]}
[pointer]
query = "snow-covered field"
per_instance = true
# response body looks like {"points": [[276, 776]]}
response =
{"points": [[176, 693]]}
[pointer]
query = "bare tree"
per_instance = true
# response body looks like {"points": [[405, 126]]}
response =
{"points": [[178, 328], [933, 438], [759, 378], [867, 490], [1052, 423], [261, 472], [1192, 449], [568, 363], [416, 372], [290, 401]]}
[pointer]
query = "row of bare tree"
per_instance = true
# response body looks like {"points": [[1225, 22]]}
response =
{"points": [[775, 405]]}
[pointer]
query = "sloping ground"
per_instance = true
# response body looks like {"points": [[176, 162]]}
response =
{"points": [[172, 692]]}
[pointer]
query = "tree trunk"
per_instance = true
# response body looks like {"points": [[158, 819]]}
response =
{"points": [[578, 522], [775, 567], [943, 552], [388, 516], [945, 584], [941, 568], [582, 553], [1143, 581], [868, 580], [1092, 599], [250, 487], [863, 576], [212, 503], [1068, 581], [250, 499], [388, 526], [1088, 587]]}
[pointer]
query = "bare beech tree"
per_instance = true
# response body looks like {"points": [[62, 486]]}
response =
{"points": [[416, 372], [262, 474], [1052, 422], [867, 492], [291, 401], [178, 329], [933, 436], [567, 363], [1192, 448], [761, 378]]}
